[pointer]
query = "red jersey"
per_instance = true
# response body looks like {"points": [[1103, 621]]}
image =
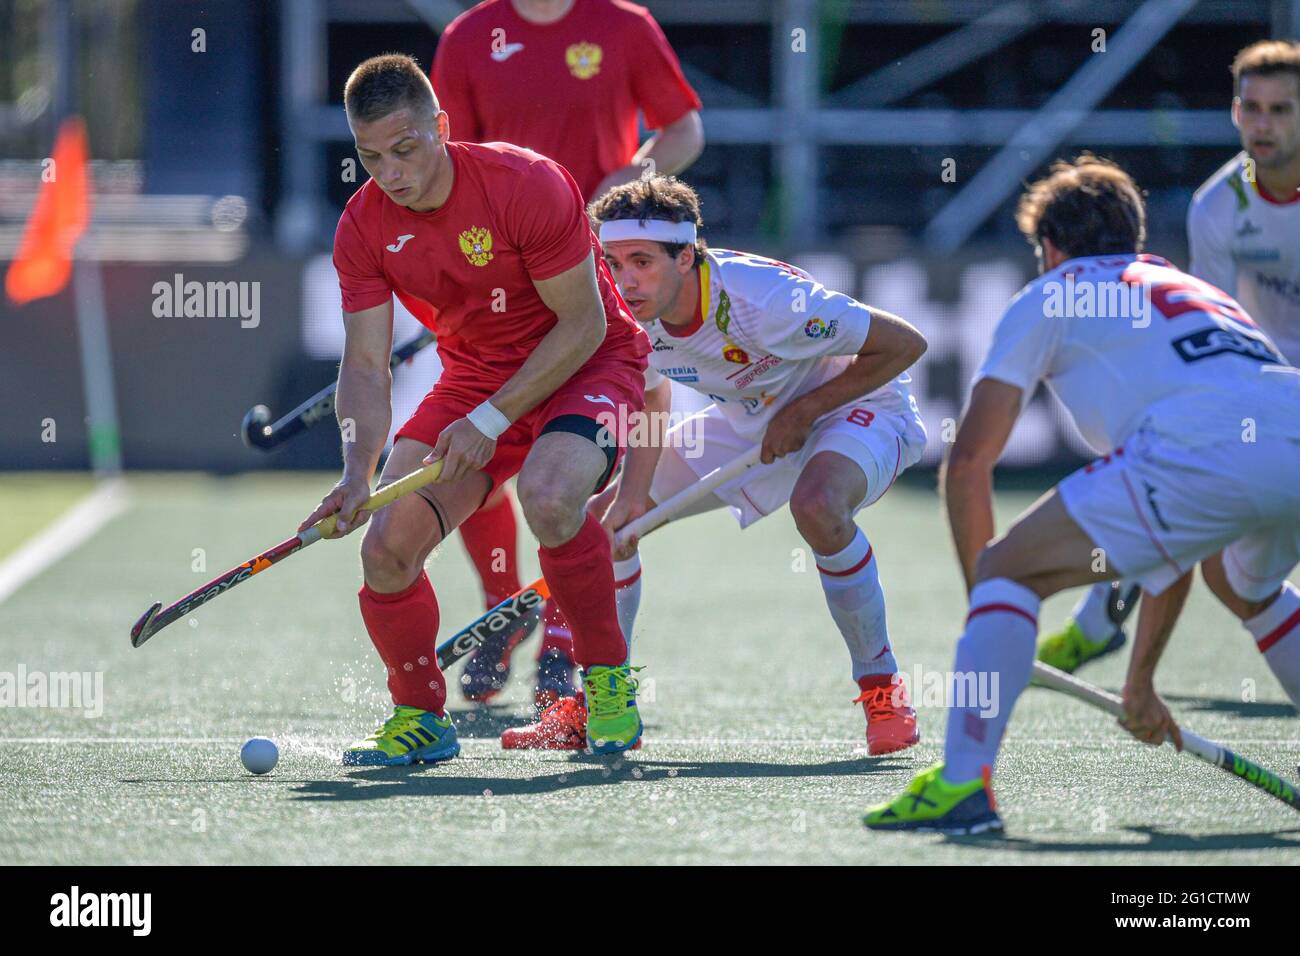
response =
{"points": [[569, 89], [466, 269]]}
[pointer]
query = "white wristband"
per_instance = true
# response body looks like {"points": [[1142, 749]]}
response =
{"points": [[489, 420]]}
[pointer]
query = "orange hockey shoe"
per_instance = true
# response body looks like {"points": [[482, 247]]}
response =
{"points": [[891, 721], [562, 726]]}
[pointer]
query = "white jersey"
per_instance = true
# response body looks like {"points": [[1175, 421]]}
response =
{"points": [[764, 333], [1248, 245], [1194, 368]]}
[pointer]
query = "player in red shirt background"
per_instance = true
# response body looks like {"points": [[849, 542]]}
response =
{"points": [[565, 78], [490, 247]]}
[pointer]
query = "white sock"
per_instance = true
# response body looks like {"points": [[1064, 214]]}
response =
{"points": [[1276, 631], [627, 595], [851, 583], [995, 658], [1092, 612]]}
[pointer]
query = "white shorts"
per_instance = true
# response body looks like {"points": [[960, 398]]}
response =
{"points": [[1157, 508], [881, 439]]}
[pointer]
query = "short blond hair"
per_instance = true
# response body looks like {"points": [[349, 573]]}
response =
{"points": [[1266, 58]]}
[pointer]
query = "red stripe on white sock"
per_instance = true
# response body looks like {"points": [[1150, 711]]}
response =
{"points": [[1008, 608], [853, 570], [628, 580], [1279, 632]]}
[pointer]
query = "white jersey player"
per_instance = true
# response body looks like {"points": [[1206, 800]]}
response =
{"points": [[1168, 388], [773, 334], [1243, 228], [1244, 223], [812, 377], [1197, 419], [1247, 243]]}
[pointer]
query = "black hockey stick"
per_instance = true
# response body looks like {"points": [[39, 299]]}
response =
{"points": [[259, 432]]}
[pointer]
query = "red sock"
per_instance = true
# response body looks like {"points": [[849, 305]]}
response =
{"points": [[872, 681], [581, 578], [556, 634], [404, 629], [491, 539]]}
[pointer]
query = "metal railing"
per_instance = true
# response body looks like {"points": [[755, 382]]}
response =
{"points": [[802, 119]]}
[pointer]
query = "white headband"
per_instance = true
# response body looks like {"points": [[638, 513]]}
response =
{"points": [[656, 230]]}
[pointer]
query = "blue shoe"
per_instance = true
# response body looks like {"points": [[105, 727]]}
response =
{"points": [[488, 668], [932, 805], [554, 679], [409, 736]]}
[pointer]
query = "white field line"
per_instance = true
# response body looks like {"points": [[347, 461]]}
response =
{"points": [[69, 531]]}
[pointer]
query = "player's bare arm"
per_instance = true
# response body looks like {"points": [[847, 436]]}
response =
{"points": [[579, 329], [966, 479], [892, 347], [633, 497], [667, 152], [1145, 715], [363, 404]]}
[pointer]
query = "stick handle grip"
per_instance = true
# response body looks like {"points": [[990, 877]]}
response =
{"points": [[1207, 750], [384, 496]]}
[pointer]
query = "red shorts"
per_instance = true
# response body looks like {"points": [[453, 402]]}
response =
{"points": [[606, 391]]}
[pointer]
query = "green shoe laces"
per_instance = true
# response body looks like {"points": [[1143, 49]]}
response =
{"points": [[391, 727], [607, 699]]}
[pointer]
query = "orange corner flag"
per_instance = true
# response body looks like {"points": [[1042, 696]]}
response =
{"points": [[43, 264]]}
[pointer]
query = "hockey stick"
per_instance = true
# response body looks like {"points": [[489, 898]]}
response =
{"points": [[512, 614], [515, 611], [158, 617], [665, 511], [1197, 746], [258, 432]]}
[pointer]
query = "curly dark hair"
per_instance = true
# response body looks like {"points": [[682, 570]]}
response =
{"points": [[1087, 207], [656, 197]]}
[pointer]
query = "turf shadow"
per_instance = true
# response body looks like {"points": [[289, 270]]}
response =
{"points": [[1237, 708], [652, 769], [262, 781], [487, 720], [1158, 841], [579, 771]]}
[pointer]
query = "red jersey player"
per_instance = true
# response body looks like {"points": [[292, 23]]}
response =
{"points": [[567, 79], [490, 246]]}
